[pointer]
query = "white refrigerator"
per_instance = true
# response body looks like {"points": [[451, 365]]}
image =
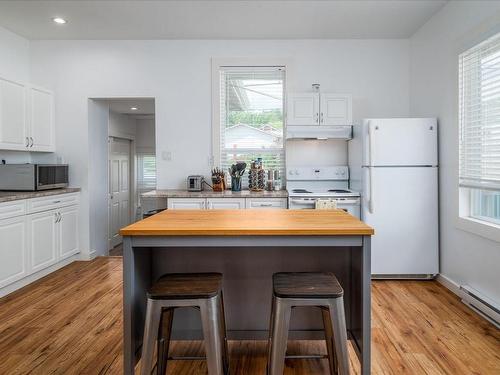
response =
{"points": [[394, 163]]}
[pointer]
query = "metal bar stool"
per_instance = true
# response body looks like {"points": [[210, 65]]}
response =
{"points": [[292, 289], [202, 291]]}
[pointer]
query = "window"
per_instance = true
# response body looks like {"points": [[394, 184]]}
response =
{"points": [[479, 110], [250, 116], [146, 171]]}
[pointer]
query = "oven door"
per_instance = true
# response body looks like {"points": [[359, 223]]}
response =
{"points": [[350, 205], [295, 203], [51, 176]]}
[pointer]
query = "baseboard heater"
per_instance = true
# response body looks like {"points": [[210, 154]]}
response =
{"points": [[417, 276], [481, 304]]}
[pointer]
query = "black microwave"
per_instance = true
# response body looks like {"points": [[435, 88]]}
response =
{"points": [[33, 177]]}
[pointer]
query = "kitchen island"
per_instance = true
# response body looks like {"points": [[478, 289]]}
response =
{"points": [[248, 246]]}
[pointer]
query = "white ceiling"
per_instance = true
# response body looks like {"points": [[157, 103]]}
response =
{"points": [[218, 19], [145, 106]]}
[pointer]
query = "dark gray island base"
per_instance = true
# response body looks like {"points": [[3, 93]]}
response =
{"points": [[247, 247]]}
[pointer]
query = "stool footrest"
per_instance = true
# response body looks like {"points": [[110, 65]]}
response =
{"points": [[307, 356]]}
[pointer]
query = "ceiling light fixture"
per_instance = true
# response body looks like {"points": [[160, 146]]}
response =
{"points": [[133, 108], [59, 20]]}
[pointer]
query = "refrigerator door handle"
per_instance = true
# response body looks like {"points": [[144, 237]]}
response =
{"points": [[370, 189], [371, 146]]}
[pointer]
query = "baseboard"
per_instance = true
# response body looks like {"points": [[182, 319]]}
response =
{"points": [[449, 284], [473, 299]]}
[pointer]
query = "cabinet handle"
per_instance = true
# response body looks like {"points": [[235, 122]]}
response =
{"points": [[27, 142], [56, 202], [60, 217], [316, 117], [31, 138], [57, 218], [321, 117], [266, 204]]}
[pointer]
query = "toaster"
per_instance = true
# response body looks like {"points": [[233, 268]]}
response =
{"points": [[195, 183]]}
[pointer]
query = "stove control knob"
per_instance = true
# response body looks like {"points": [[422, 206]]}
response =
{"points": [[290, 172]]}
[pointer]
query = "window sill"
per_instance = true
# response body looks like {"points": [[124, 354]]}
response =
{"points": [[481, 228]]}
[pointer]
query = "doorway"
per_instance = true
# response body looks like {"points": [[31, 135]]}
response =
{"points": [[122, 167]]}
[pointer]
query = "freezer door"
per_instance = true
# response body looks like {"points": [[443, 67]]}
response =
{"points": [[401, 204], [400, 142]]}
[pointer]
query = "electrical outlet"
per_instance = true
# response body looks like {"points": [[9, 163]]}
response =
{"points": [[166, 155]]}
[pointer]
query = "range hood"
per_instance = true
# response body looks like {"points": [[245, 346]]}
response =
{"points": [[319, 132]]}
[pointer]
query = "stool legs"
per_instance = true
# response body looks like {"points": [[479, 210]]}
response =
{"points": [[223, 336], [337, 316], [211, 323], [330, 345], [164, 340], [279, 336], [153, 315]]}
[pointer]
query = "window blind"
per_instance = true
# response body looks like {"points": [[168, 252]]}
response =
{"points": [[251, 116], [479, 115], [146, 171]]}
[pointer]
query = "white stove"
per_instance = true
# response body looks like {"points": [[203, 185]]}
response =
{"points": [[306, 185]]}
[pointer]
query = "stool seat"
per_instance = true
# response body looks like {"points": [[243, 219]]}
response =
{"points": [[186, 286], [306, 285]]}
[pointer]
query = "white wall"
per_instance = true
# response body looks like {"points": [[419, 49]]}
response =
{"points": [[178, 75], [145, 140], [465, 257], [121, 125]]}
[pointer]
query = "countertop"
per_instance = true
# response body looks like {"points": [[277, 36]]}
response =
{"points": [[214, 194], [7, 196], [277, 222]]}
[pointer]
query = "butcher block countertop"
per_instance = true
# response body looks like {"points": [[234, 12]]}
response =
{"points": [[277, 222]]}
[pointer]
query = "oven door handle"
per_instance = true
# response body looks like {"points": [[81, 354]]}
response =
{"points": [[347, 201], [303, 202]]}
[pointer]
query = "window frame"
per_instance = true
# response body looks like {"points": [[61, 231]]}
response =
{"points": [[217, 64], [462, 195]]}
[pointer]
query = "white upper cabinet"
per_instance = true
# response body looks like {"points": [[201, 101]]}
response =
{"points": [[319, 109], [26, 117], [303, 109], [12, 115], [335, 109], [41, 119]]}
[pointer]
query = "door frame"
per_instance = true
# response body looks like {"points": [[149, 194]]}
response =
{"points": [[132, 179]]}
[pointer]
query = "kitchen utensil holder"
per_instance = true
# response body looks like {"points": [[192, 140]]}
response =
{"points": [[236, 184]]}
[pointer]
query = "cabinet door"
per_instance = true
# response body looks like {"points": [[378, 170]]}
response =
{"points": [[68, 232], [266, 203], [13, 250], [336, 109], [42, 234], [186, 203], [12, 116], [226, 203], [41, 120], [303, 109]]}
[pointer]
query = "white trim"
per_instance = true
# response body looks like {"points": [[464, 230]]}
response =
{"points": [[217, 63], [448, 284]]}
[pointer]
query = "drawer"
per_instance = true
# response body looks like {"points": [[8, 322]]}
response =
{"points": [[52, 202], [12, 209], [263, 203]]}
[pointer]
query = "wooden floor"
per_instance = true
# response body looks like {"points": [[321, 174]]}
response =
{"points": [[71, 323]]}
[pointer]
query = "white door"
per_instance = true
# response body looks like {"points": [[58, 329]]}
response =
{"points": [[404, 214], [226, 203], [186, 203], [302, 109], [119, 188], [335, 109], [41, 126], [12, 116], [13, 250], [400, 142], [42, 234], [68, 231]]}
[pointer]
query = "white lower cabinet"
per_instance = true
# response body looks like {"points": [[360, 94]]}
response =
{"points": [[68, 232], [225, 203], [186, 203], [32, 241], [13, 250], [42, 234]]}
